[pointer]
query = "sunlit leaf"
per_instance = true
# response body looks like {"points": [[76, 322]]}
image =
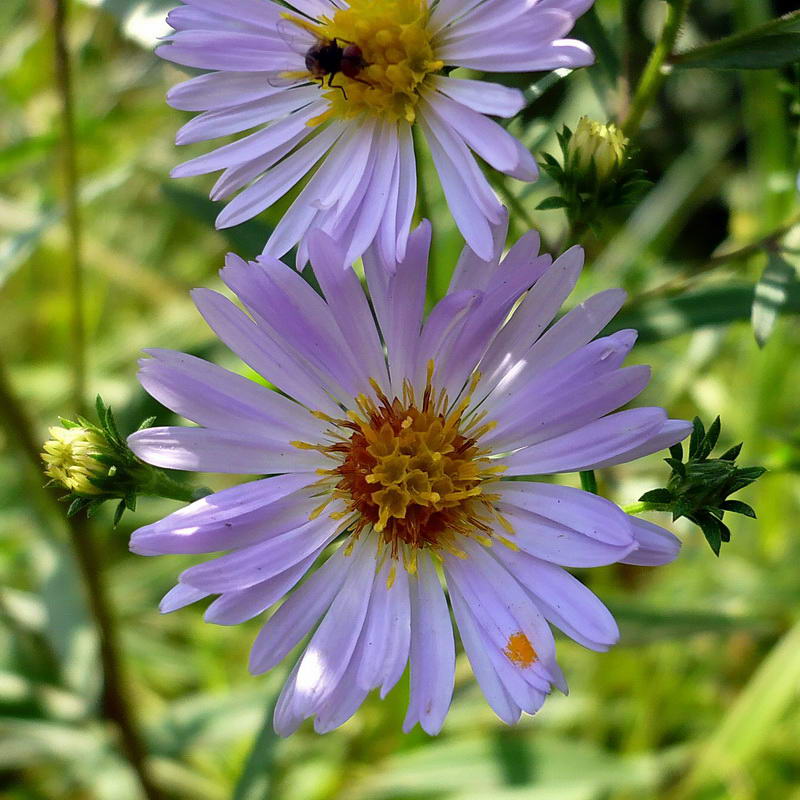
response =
{"points": [[772, 293]]}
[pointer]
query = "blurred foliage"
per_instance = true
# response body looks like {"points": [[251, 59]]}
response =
{"points": [[699, 701]]}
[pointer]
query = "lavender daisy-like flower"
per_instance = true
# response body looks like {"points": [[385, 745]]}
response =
{"points": [[395, 452], [334, 87]]}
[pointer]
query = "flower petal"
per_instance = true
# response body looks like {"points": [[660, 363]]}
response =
{"points": [[432, 650], [656, 545]]}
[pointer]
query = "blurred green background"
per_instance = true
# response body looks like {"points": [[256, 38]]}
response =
{"points": [[700, 700]]}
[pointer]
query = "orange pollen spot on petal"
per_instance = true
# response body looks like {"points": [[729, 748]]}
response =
{"points": [[519, 650]]}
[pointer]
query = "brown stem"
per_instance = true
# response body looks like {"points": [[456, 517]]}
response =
{"points": [[69, 169], [116, 705]]}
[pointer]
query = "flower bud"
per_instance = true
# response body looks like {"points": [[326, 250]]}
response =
{"points": [[69, 457], [598, 146]]}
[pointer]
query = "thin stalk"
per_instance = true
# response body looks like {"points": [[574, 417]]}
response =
{"points": [[116, 704], [162, 485], [682, 281], [69, 170], [589, 482], [655, 72], [641, 507]]}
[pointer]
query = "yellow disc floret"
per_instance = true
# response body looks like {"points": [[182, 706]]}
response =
{"points": [[397, 55], [412, 472]]}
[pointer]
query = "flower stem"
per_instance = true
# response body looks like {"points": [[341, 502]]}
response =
{"points": [[159, 484], [589, 482], [116, 705], [69, 170], [684, 280], [641, 507], [654, 73]]}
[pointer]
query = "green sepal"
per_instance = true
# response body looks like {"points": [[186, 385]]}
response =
{"points": [[657, 496], [738, 507]]}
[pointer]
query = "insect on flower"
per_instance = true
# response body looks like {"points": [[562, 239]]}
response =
{"points": [[328, 58], [324, 59], [340, 106]]}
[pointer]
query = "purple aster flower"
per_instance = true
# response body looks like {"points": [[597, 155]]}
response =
{"points": [[390, 448], [333, 88]]}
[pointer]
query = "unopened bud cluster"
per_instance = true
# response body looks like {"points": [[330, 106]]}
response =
{"points": [[94, 464], [70, 458], [596, 147], [595, 173]]}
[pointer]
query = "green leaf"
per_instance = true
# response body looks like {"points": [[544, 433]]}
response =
{"points": [[710, 439], [772, 292], [640, 624], [748, 728], [657, 496], [77, 505], [771, 45], [767, 52], [552, 202], [16, 250], [733, 453], [698, 434], [738, 507], [677, 466], [657, 320], [119, 511]]}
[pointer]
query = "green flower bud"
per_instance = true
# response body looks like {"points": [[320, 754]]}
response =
{"points": [[95, 465], [597, 146], [70, 459]]}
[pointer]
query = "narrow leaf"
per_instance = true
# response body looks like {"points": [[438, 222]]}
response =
{"points": [[552, 202], [733, 453], [738, 507], [772, 292], [657, 496]]}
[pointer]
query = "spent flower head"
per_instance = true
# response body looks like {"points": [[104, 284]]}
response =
{"points": [[401, 447], [332, 89]]}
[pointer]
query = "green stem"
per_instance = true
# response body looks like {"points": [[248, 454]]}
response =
{"points": [[654, 73], [116, 704], [681, 282], [589, 482], [63, 75], [641, 507], [159, 484]]}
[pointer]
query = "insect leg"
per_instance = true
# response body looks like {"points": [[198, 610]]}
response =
{"points": [[333, 85]]}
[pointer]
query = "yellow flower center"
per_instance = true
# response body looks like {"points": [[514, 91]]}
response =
{"points": [[396, 54], [68, 458], [412, 472]]}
